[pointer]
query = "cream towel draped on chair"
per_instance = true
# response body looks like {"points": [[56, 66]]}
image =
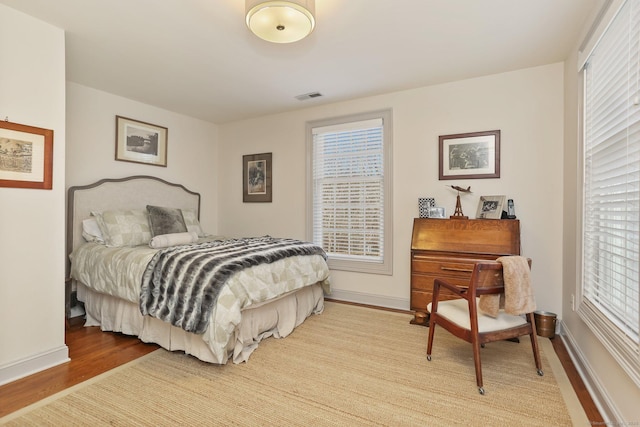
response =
{"points": [[518, 295]]}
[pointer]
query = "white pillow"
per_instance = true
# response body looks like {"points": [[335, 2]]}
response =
{"points": [[91, 231], [191, 221], [124, 227], [173, 239]]}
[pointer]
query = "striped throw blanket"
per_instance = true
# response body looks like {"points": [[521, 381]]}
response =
{"points": [[181, 283]]}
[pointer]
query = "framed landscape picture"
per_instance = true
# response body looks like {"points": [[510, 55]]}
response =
{"points": [[26, 156], [470, 155], [141, 142]]}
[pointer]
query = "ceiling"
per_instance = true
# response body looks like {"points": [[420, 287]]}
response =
{"points": [[197, 57]]}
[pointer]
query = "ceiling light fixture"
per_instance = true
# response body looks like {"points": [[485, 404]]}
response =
{"points": [[281, 21]]}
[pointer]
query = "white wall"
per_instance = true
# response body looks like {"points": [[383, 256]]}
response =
{"points": [[192, 158], [527, 106], [613, 390], [32, 81]]}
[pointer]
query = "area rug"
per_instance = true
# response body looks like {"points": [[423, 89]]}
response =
{"points": [[348, 366]]}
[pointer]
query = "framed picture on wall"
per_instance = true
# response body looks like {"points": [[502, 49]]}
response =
{"points": [[256, 177], [470, 155], [26, 156], [141, 142]]}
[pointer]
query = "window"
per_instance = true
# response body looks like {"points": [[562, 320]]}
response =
{"points": [[349, 183], [609, 301]]}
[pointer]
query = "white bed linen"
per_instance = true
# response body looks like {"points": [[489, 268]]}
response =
{"points": [[117, 272], [277, 318]]}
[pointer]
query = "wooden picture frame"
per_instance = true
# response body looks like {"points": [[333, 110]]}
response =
{"points": [[473, 155], [490, 207], [141, 142], [256, 178], [26, 156]]}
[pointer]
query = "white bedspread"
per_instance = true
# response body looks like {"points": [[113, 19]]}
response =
{"points": [[118, 272]]}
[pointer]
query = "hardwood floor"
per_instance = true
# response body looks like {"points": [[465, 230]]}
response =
{"points": [[94, 352], [595, 418]]}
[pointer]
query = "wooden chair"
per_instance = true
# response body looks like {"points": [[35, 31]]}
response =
{"points": [[461, 318]]}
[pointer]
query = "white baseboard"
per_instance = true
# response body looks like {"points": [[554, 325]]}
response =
{"points": [[601, 399], [33, 364], [370, 299]]}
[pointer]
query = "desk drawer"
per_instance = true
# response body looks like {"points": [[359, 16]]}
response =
{"points": [[442, 268], [420, 299], [425, 281]]}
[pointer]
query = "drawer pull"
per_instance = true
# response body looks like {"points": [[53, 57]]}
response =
{"points": [[465, 270]]}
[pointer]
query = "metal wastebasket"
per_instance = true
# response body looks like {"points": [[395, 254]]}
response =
{"points": [[545, 323]]}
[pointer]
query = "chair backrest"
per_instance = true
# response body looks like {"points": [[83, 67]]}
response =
{"points": [[487, 278]]}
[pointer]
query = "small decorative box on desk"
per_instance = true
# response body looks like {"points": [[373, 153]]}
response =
{"points": [[449, 248]]}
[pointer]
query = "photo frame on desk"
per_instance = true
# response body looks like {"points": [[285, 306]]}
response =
{"points": [[473, 155], [490, 207], [437, 212], [26, 156]]}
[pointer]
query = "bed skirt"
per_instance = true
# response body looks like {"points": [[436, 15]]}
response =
{"points": [[277, 318]]}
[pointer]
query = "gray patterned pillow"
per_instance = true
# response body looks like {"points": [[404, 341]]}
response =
{"points": [[165, 220], [124, 227]]}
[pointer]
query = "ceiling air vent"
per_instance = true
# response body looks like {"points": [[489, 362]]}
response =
{"points": [[308, 96]]}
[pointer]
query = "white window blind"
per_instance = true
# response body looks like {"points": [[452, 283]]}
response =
{"points": [[349, 185], [610, 302]]}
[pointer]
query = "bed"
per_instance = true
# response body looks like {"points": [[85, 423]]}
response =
{"points": [[114, 266]]}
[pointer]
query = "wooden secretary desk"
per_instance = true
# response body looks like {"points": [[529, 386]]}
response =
{"points": [[449, 248]]}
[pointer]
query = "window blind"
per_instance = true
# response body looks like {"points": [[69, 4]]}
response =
{"points": [[610, 302], [348, 190]]}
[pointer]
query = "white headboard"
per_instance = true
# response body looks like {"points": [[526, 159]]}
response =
{"points": [[134, 192]]}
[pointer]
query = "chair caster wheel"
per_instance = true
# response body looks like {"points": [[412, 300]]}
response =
{"points": [[429, 357], [481, 390], [540, 372]]}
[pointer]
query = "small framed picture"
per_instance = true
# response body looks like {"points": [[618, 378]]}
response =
{"points": [[436, 212], [26, 156], [256, 178], [424, 204], [470, 155], [141, 142], [490, 207]]}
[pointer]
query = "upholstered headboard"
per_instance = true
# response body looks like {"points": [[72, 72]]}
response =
{"points": [[134, 192]]}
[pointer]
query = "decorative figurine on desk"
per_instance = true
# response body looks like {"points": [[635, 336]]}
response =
{"points": [[458, 212]]}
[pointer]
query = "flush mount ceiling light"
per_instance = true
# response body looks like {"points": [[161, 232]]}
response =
{"points": [[281, 21]]}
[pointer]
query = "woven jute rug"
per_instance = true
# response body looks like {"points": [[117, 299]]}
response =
{"points": [[349, 366]]}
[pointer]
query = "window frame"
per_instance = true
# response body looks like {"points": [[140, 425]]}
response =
{"points": [[386, 266], [624, 348]]}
